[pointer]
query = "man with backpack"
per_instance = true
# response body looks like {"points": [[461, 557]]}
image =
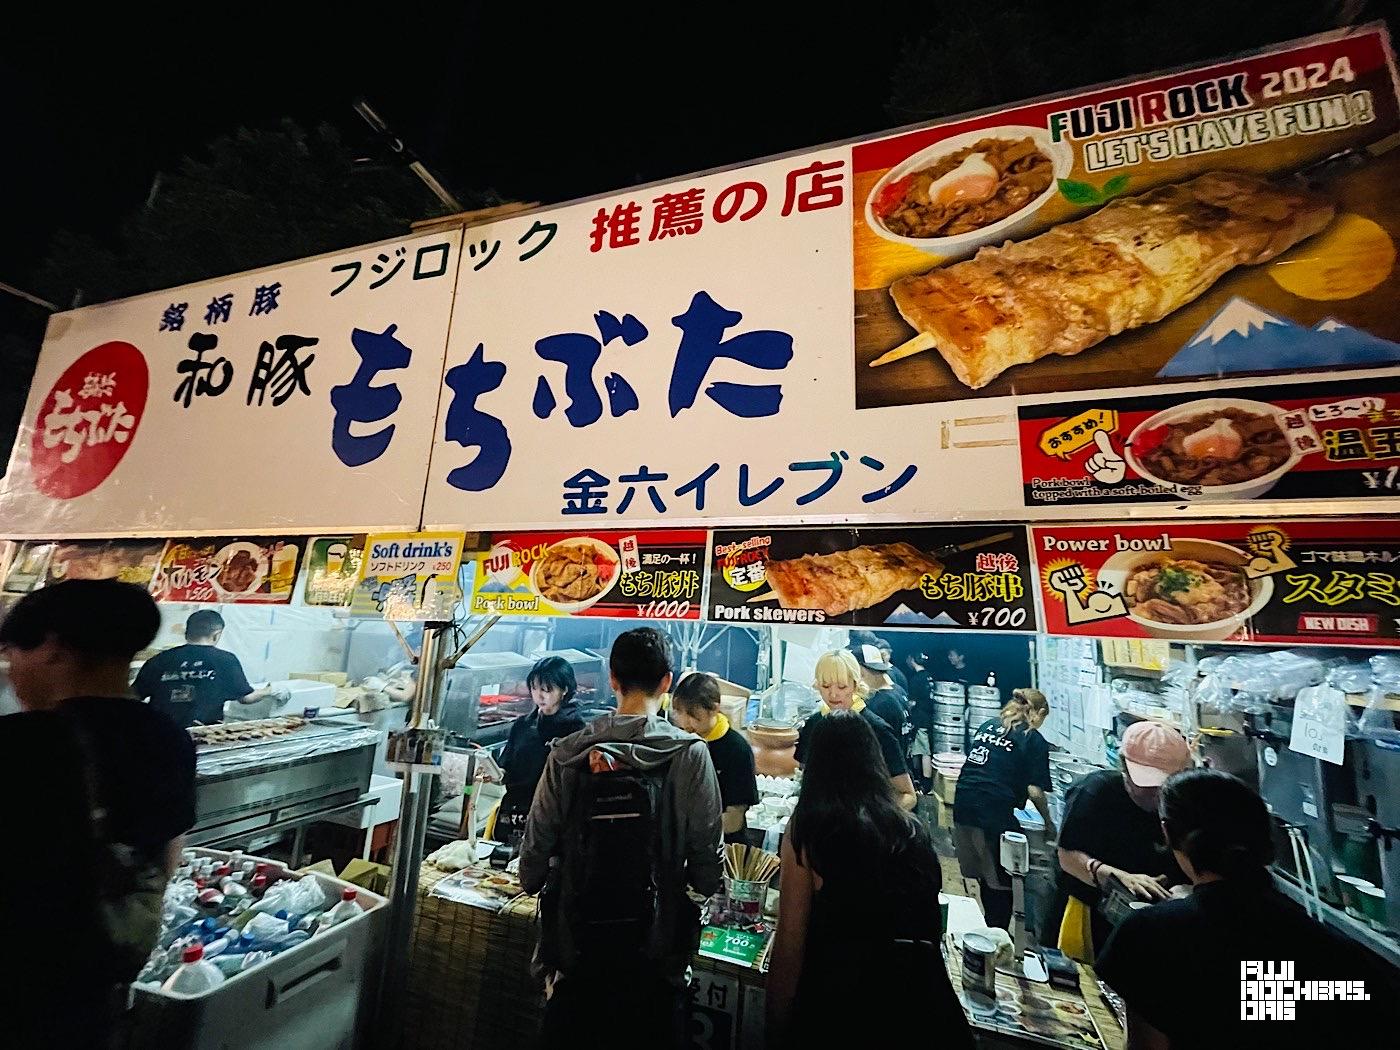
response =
{"points": [[626, 816], [99, 791]]}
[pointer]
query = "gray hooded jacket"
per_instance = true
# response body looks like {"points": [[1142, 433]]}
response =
{"points": [[689, 821]]}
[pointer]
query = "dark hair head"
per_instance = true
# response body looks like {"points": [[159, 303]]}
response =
{"points": [[696, 692], [555, 672], [99, 620], [640, 659], [859, 638], [203, 624], [1218, 822], [847, 806]]}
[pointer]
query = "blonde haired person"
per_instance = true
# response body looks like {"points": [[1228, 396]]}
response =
{"points": [[1007, 763], [838, 680]]}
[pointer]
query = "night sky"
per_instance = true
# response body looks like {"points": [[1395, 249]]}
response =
{"points": [[549, 112]]}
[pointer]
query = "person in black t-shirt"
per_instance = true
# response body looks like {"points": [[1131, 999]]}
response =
{"points": [[882, 696], [695, 708], [1008, 763], [1111, 829], [1179, 966], [839, 682], [70, 648], [557, 714], [856, 959], [192, 682]]}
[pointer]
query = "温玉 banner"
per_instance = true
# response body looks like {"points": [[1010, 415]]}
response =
{"points": [[1311, 441], [1319, 582]]}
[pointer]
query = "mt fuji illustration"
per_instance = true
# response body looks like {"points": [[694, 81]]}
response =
{"points": [[1243, 337], [905, 615]]}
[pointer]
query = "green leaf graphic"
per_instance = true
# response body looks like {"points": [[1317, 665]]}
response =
{"points": [[1079, 192], [1114, 186]]}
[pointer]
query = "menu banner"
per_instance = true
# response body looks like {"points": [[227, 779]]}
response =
{"points": [[228, 570], [333, 566], [1314, 441], [1316, 582], [410, 576], [130, 561], [656, 575], [973, 577], [1224, 220]]}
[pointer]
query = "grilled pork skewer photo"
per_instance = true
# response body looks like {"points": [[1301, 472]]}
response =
{"points": [[1129, 264]]}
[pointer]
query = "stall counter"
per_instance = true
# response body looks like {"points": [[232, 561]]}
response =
{"points": [[470, 984]]}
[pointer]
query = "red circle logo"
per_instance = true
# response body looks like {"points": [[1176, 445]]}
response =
{"points": [[89, 420]]}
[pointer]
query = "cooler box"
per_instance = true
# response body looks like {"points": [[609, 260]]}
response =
{"points": [[319, 995]]}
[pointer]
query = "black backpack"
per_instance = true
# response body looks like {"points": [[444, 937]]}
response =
{"points": [[611, 884]]}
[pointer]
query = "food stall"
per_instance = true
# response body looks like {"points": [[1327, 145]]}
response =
{"points": [[1096, 393]]}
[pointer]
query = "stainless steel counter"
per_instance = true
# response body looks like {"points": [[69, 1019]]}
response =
{"points": [[252, 793]]}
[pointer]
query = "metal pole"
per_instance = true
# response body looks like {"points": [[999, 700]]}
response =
{"points": [[408, 850]]}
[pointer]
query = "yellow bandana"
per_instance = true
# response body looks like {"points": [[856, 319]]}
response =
{"points": [[721, 727]]}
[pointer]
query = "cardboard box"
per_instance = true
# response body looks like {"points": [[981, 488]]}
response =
{"points": [[336, 678], [362, 873]]}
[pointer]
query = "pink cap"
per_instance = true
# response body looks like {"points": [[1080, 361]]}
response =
{"points": [[1153, 752]]}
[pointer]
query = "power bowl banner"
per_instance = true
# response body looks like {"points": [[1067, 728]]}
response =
{"points": [[1316, 582], [297, 399]]}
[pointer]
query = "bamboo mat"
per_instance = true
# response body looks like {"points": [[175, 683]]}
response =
{"points": [[469, 974]]}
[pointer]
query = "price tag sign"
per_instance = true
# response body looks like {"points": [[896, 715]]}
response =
{"points": [[1318, 739]]}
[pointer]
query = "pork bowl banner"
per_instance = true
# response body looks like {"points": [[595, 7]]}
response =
{"points": [[1130, 234], [296, 398], [1298, 441], [228, 570], [973, 577], [657, 575], [1321, 582]]}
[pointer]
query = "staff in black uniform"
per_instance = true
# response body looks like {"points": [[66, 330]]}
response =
{"points": [[1178, 965], [1008, 763], [882, 695], [839, 682], [191, 683], [695, 708], [557, 714]]}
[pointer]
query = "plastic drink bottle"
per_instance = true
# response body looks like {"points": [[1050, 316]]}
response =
{"points": [[195, 975]]}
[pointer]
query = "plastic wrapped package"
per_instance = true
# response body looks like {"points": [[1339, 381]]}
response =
{"points": [[295, 748], [1381, 718]]}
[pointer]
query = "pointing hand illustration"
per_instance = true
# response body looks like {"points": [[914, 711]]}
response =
{"points": [[1106, 466]]}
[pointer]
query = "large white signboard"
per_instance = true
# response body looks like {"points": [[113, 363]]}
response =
{"points": [[294, 399]]}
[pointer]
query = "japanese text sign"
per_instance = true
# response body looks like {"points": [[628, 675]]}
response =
{"points": [[1325, 582], [1319, 440], [210, 407], [657, 575], [410, 575], [975, 577], [1154, 230], [227, 570]]}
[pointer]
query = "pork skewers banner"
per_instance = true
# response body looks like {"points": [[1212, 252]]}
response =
{"points": [[1314, 582], [974, 577]]}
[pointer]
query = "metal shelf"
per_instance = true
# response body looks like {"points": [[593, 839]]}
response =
{"points": [[1386, 947]]}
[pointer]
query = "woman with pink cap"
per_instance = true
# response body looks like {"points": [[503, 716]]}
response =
{"points": [[1111, 832]]}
